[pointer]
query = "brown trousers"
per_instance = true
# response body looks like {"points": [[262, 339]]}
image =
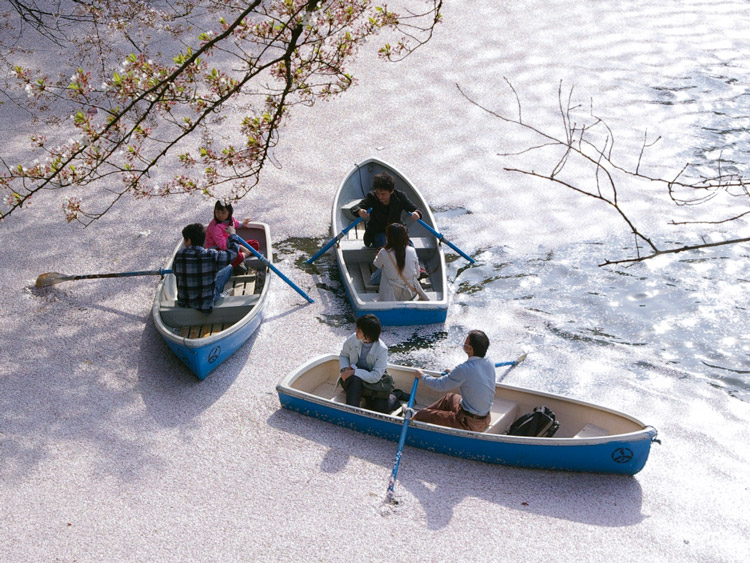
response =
{"points": [[447, 412]]}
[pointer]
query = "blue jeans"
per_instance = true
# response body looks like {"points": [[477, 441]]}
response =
{"points": [[222, 277]]}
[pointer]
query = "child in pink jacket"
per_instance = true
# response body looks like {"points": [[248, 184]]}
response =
{"points": [[216, 234]]}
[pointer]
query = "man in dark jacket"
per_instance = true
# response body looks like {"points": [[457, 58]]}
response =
{"points": [[387, 204]]}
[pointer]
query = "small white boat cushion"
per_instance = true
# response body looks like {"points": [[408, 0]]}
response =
{"points": [[421, 243], [591, 431], [348, 206], [502, 415]]}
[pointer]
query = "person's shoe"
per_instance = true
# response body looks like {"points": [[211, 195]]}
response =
{"points": [[400, 395], [240, 269], [220, 299]]}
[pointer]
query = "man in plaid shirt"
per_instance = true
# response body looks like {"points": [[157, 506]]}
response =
{"points": [[202, 272]]}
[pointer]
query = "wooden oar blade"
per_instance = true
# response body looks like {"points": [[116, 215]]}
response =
{"points": [[520, 358], [50, 278]]}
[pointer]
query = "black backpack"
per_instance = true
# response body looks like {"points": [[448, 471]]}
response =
{"points": [[540, 422]]}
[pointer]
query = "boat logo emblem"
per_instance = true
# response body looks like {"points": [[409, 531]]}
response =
{"points": [[214, 354], [622, 455]]}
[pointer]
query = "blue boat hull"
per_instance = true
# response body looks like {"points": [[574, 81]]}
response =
{"points": [[202, 360], [400, 315], [203, 342], [351, 252], [614, 457]]}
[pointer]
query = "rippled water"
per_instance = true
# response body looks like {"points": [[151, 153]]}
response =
{"points": [[673, 70], [683, 316]]}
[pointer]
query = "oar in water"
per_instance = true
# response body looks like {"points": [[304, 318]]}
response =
{"points": [[275, 270], [512, 364], [442, 238], [52, 278], [405, 427], [401, 442], [335, 239], [515, 362]]}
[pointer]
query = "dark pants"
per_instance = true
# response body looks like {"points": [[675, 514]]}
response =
{"points": [[448, 412], [354, 391]]}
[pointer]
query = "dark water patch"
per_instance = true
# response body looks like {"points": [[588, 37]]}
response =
{"points": [[303, 247], [461, 270], [469, 288], [450, 258], [575, 337], [598, 336], [548, 257], [447, 211], [417, 341], [337, 320]]}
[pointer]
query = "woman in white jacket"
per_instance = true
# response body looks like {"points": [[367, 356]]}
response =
{"points": [[400, 266], [362, 363]]}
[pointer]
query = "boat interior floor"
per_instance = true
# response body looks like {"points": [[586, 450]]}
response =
{"points": [[359, 258], [502, 413]]}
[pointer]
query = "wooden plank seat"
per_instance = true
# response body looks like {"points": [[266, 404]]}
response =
{"points": [[355, 247], [370, 297], [366, 269], [347, 209], [502, 415], [228, 310]]}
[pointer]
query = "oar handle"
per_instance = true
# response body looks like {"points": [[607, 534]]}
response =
{"points": [[402, 440], [275, 270], [442, 238], [335, 239]]}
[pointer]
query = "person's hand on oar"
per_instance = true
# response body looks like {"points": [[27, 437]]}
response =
{"points": [[275, 270], [339, 236]]}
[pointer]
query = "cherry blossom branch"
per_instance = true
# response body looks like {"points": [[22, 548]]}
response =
{"points": [[273, 55]]}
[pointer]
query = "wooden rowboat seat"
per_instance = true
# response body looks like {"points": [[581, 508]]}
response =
{"points": [[226, 311], [502, 415]]}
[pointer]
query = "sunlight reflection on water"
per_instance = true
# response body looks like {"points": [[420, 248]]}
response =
{"points": [[689, 315], [695, 325]]}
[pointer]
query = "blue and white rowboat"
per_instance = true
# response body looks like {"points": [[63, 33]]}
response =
{"points": [[201, 341], [590, 438], [354, 259]]}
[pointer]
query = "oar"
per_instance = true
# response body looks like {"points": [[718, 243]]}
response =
{"points": [[512, 364], [401, 442], [335, 239], [442, 238], [515, 362], [52, 278], [275, 270], [407, 418]]}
